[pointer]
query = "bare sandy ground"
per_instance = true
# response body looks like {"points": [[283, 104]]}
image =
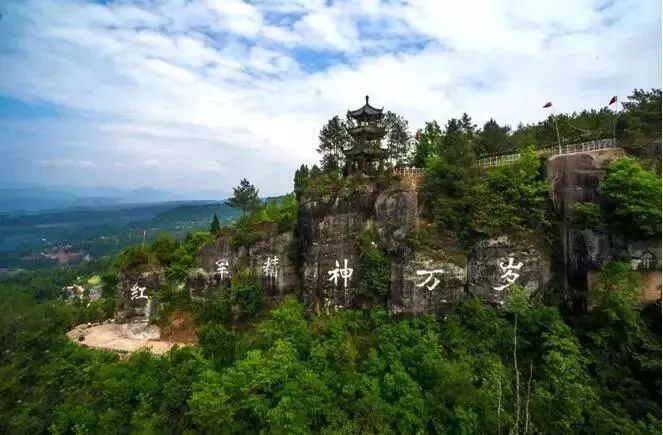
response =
{"points": [[124, 338]]}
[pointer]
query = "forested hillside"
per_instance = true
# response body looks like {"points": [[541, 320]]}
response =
{"points": [[275, 363]]}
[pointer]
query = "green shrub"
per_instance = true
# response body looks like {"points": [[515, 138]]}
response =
{"points": [[132, 258], [632, 199], [587, 215], [163, 249], [512, 197], [247, 295], [375, 269], [184, 257]]}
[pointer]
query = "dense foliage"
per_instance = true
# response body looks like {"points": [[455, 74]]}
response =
{"points": [[632, 199], [476, 370]]}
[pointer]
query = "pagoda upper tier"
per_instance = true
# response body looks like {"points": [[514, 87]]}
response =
{"points": [[369, 125], [366, 112]]}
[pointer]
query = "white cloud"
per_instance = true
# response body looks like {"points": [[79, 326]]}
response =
{"points": [[67, 163], [215, 91]]}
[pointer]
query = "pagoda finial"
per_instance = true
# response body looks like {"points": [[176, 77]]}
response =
{"points": [[367, 100]]}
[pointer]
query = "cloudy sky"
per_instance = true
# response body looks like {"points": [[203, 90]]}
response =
{"points": [[194, 95]]}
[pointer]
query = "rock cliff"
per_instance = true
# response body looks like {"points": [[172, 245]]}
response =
{"points": [[136, 300], [575, 178], [321, 260]]}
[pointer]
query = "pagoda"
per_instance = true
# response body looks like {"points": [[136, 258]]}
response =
{"points": [[366, 156]]}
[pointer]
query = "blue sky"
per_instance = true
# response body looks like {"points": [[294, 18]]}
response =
{"points": [[195, 95]]}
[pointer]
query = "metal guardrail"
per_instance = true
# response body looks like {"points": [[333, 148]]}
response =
{"points": [[506, 159], [410, 171], [581, 147]]}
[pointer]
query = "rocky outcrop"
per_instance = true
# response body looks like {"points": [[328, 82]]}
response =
{"points": [[271, 261], [396, 215], [203, 285], [425, 283], [425, 277], [330, 227], [268, 261], [219, 256], [136, 301], [575, 178], [496, 264]]}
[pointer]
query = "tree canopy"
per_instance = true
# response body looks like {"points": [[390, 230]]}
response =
{"points": [[245, 197]]}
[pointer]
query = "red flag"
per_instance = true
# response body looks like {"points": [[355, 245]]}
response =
{"points": [[548, 104], [417, 137], [613, 100]]}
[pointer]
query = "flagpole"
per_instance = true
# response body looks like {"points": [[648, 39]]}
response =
{"points": [[614, 127], [143, 246], [559, 142]]}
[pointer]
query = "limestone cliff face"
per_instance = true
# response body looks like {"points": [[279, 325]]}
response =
{"points": [[269, 261], [321, 260], [416, 292], [329, 227], [425, 277], [575, 178], [498, 263], [136, 301]]}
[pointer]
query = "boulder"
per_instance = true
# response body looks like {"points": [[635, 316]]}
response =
{"points": [[425, 283], [496, 264], [136, 301]]}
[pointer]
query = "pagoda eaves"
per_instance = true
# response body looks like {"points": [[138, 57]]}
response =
{"points": [[366, 112]]}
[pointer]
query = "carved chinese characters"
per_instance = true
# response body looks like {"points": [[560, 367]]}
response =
{"points": [[270, 268], [345, 273], [138, 292], [429, 285], [509, 277]]}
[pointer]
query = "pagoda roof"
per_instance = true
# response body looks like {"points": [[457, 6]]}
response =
{"points": [[368, 131], [366, 151], [366, 111]]}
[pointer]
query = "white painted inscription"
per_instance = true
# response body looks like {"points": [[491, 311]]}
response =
{"points": [[138, 292], [344, 273], [509, 277], [429, 285], [222, 268], [271, 267]]}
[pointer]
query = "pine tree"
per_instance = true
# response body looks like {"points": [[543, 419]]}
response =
{"points": [[245, 197], [215, 227], [301, 180], [334, 138], [398, 137], [494, 138]]}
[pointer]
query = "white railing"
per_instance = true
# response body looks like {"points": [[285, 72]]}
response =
{"points": [[581, 147], [410, 171]]}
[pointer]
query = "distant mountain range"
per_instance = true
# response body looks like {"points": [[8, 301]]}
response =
{"points": [[30, 198]]}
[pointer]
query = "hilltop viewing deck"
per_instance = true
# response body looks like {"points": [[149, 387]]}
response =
{"points": [[505, 159]]}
